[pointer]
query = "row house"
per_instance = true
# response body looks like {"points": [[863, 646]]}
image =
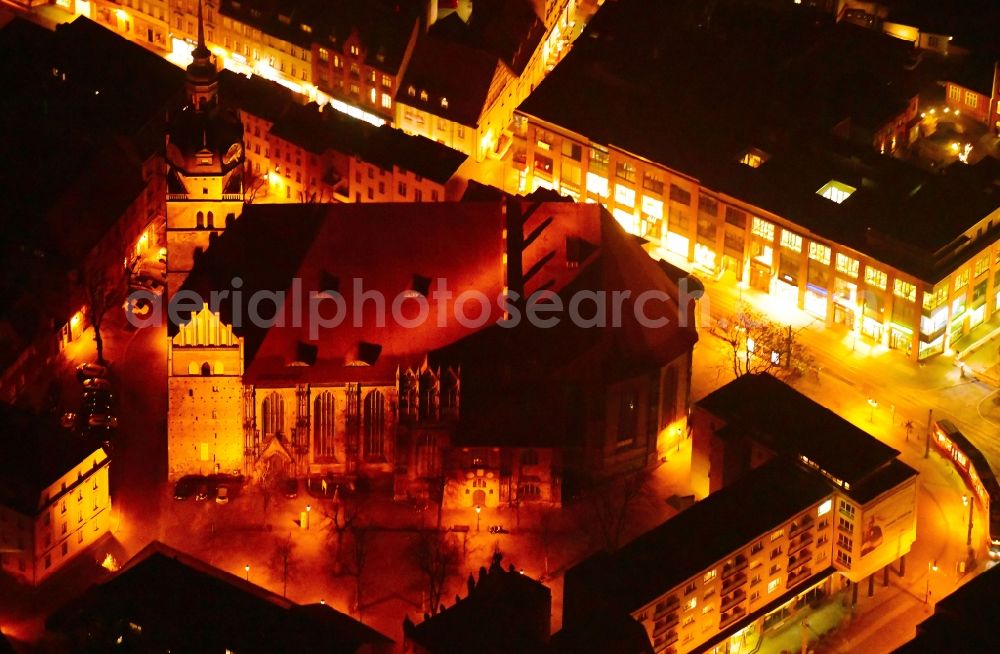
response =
{"points": [[54, 495]]}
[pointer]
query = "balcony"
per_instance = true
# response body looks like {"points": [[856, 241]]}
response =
{"points": [[738, 597], [670, 604], [732, 568], [727, 619], [732, 582], [800, 559], [802, 525], [802, 542], [663, 624], [798, 576]]}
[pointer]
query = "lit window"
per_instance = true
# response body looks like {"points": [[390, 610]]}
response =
{"points": [[982, 265], [819, 252], [412, 92], [777, 534], [324, 54], [791, 240], [824, 508], [355, 50], [773, 584], [836, 191], [962, 280], [306, 28], [971, 99], [444, 103], [691, 603], [624, 195], [904, 289], [847, 265], [754, 158], [763, 229], [597, 184], [423, 96], [386, 101], [709, 576], [875, 277]]}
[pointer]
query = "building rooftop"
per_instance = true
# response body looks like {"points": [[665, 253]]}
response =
{"points": [[456, 79], [508, 29], [317, 131], [383, 27], [777, 416], [963, 622], [804, 84], [184, 604], [697, 538], [34, 452], [505, 612]]}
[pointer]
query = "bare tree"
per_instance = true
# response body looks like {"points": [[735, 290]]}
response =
{"points": [[268, 481], [437, 556], [252, 183], [908, 427], [360, 542], [607, 509], [283, 561], [757, 345], [342, 516], [100, 292]]}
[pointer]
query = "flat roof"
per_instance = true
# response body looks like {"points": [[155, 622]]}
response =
{"points": [[777, 416], [699, 537], [798, 78]]}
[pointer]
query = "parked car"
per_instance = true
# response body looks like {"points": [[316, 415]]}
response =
{"points": [[90, 371], [202, 493], [185, 487], [96, 384], [70, 420], [222, 495], [146, 279], [290, 488]]}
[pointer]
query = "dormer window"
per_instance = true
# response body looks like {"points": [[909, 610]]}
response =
{"points": [[412, 92], [754, 158], [836, 191], [444, 103], [355, 51], [306, 28], [423, 96]]}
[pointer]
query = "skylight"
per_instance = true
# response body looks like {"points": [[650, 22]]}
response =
{"points": [[836, 191]]}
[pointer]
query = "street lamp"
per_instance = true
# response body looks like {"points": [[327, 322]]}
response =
{"points": [[872, 402], [308, 511], [247, 569], [479, 510], [931, 567]]}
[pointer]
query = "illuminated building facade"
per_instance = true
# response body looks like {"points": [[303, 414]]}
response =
{"points": [[300, 153], [405, 405], [164, 600], [777, 541], [97, 128], [975, 91], [54, 496], [796, 203]]}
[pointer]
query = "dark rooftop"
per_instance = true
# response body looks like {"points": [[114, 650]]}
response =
{"points": [[508, 29], [697, 538], [800, 79], [184, 604], [34, 452], [777, 416], [450, 71], [505, 612], [963, 622]]}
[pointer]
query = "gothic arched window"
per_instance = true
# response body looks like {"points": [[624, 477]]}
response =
{"points": [[211, 220], [323, 415], [272, 414], [199, 219], [374, 425]]}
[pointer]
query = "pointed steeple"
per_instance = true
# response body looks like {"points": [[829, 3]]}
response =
{"points": [[202, 77], [201, 50]]}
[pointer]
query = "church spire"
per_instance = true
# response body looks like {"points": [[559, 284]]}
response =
{"points": [[202, 77], [201, 51]]}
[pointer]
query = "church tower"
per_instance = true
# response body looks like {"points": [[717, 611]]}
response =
{"points": [[204, 166], [204, 196]]}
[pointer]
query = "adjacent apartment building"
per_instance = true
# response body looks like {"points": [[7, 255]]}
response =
{"points": [[54, 496], [786, 191], [722, 574]]}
